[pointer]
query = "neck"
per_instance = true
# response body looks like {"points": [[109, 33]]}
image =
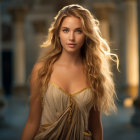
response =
{"points": [[70, 58]]}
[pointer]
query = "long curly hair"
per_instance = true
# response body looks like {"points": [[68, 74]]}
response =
{"points": [[96, 57]]}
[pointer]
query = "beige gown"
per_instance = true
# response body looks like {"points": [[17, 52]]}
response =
{"points": [[65, 116]]}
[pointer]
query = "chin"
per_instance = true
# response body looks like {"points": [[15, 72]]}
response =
{"points": [[72, 50]]}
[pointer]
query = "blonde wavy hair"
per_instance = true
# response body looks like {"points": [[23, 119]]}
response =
{"points": [[95, 53]]}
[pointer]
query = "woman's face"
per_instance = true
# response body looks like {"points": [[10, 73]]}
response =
{"points": [[71, 34]]}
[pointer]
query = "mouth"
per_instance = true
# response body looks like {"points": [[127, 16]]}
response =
{"points": [[71, 44]]}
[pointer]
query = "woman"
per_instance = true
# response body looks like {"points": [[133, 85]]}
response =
{"points": [[73, 80]]}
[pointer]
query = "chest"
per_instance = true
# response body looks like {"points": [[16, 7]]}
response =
{"points": [[57, 97], [70, 79]]}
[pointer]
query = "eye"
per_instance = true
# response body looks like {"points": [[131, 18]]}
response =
{"points": [[65, 30], [78, 30]]}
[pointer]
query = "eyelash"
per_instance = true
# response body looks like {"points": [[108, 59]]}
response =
{"points": [[66, 30], [79, 31]]}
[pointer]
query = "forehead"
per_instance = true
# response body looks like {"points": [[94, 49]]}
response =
{"points": [[71, 21]]}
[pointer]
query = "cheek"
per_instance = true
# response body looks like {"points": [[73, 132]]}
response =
{"points": [[62, 37], [81, 39]]}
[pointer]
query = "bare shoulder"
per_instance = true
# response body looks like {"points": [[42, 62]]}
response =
{"points": [[37, 66], [34, 77]]}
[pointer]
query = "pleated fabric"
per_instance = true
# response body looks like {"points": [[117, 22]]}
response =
{"points": [[64, 115]]}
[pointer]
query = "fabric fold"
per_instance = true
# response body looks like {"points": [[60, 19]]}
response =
{"points": [[66, 116]]}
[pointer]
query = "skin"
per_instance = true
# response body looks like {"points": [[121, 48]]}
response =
{"points": [[71, 35], [34, 116], [67, 74]]}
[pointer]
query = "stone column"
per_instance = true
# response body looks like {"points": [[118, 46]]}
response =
{"points": [[136, 116], [2, 100], [40, 33], [18, 15], [131, 47], [0, 51], [102, 12]]}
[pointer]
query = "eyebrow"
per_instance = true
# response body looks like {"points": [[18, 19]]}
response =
{"points": [[75, 28]]}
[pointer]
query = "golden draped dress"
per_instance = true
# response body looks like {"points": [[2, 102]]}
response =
{"points": [[64, 115]]}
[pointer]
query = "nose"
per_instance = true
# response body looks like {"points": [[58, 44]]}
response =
{"points": [[71, 36]]}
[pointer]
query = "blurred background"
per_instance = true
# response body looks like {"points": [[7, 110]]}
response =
{"points": [[23, 27]]}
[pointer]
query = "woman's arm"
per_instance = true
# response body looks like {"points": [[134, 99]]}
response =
{"points": [[34, 116], [95, 124]]}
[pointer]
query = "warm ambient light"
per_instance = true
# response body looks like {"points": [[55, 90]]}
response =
{"points": [[128, 102]]}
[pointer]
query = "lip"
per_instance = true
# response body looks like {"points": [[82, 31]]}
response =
{"points": [[71, 44]]}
